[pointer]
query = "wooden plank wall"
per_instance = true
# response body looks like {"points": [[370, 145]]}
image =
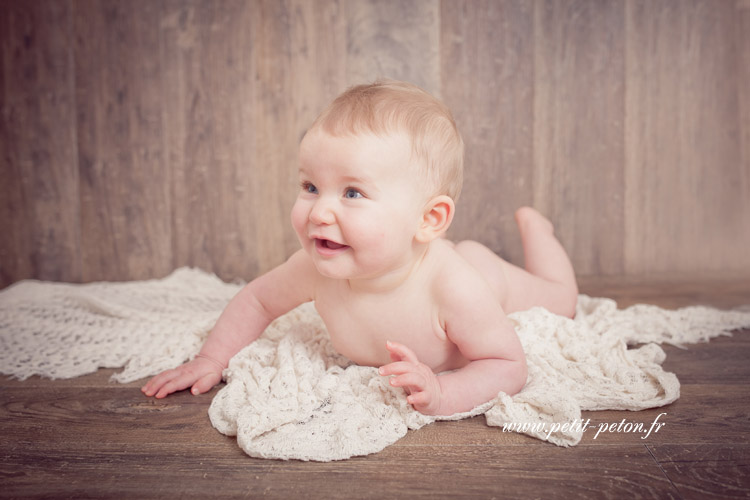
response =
{"points": [[140, 136]]}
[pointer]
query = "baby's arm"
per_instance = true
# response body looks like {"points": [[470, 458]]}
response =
{"points": [[243, 320], [475, 322]]}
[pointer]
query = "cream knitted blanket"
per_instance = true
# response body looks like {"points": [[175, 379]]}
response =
{"points": [[289, 395]]}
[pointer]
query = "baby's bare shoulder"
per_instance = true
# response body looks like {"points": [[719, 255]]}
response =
{"points": [[297, 275], [468, 308], [455, 279]]}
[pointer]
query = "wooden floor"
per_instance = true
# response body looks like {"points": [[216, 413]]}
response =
{"points": [[88, 437]]}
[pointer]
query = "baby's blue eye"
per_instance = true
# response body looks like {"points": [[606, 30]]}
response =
{"points": [[352, 194], [309, 187]]}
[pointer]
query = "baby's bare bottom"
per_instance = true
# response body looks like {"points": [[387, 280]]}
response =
{"points": [[548, 279]]}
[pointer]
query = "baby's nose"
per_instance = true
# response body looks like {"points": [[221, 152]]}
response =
{"points": [[322, 212]]}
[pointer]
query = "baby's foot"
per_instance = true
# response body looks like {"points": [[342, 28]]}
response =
{"points": [[530, 220]]}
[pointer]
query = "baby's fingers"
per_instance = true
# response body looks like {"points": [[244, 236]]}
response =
{"points": [[419, 400], [206, 383], [168, 382], [174, 385], [156, 382], [412, 382], [401, 352], [397, 368]]}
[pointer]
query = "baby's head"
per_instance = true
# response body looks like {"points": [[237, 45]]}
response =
{"points": [[391, 107], [379, 172]]}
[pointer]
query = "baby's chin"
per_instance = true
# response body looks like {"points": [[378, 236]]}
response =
{"points": [[331, 268], [333, 275], [335, 269]]}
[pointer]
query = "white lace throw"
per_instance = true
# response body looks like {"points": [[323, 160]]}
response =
{"points": [[290, 396]]}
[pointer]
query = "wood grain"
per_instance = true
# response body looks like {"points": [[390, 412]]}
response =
{"points": [[705, 413], [137, 137], [153, 471], [39, 209], [742, 17], [319, 47], [626, 291], [393, 39], [579, 55], [88, 437], [705, 471], [492, 44], [60, 414], [275, 157], [731, 349], [124, 181], [684, 180], [209, 106]]}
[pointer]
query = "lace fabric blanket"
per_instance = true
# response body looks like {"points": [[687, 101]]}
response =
{"points": [[289, 395]]}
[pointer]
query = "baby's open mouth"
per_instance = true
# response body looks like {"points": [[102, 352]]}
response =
{"points": [[328, 244]]}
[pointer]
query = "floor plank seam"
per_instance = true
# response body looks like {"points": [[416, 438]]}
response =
{"points": [[658, 464]]}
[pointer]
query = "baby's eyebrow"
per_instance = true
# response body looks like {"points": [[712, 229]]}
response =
{"points": [[304, 174], [357, 179], [354, 179]]}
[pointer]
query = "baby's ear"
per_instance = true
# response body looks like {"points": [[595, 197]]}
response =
{"points": [[436, 218]]}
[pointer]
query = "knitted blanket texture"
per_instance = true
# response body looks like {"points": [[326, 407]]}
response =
{"points": [[289, 395]]}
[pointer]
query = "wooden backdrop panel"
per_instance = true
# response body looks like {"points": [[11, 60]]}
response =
{"points": [[39, 211], [137, 137], [683, 172], [393, 38], [276, 129], [492, 44], [209, 107], [743, 77], [124, 181], [578, 128]]}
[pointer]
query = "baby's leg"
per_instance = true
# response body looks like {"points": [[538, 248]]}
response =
{"points": [[547, 281]]}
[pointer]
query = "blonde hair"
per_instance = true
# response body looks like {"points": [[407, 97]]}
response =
{"points": [[389, 106]]}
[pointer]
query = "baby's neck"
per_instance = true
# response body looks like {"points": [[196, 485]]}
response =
{"points": [[392, 280]]}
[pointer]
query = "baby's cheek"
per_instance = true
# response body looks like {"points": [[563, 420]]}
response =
{"points": [[299, 219]]}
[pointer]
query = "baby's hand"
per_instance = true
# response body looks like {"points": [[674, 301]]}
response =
{"points": [[201, 373], [418, 379]]}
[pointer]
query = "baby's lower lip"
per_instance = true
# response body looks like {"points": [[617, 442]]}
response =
{"points": [[329, 248]]}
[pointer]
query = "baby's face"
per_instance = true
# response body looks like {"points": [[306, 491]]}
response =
{"points": [[360, 204]]}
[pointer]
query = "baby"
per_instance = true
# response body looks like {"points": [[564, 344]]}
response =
{"points": [[380, 170]]}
